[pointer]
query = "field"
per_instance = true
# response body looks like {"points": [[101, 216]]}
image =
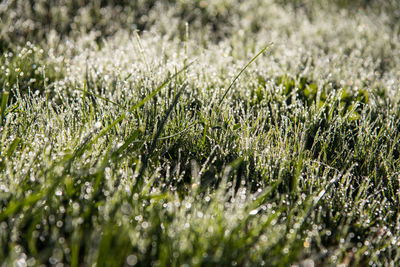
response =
{"points": [[200, 133]]}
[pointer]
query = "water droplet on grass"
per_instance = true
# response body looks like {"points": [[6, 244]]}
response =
{"points": [[131, 260], [253, 212], [97, 125]]}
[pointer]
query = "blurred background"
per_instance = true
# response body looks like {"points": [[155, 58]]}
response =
{"points": [[34, 21]]}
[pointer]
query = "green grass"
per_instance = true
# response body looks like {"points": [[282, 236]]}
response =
{"points": [[221, 134]]}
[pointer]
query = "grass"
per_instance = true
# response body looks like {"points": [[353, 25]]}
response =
{"points": [[195, 141]]}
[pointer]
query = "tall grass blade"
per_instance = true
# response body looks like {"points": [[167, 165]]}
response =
{"points": [[241, 71]]}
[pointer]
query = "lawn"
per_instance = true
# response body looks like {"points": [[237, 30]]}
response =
{"points": [[199, 133]]}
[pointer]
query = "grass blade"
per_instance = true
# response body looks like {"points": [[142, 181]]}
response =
{"points": [[4, 100], [139, 179], [241, 71]]}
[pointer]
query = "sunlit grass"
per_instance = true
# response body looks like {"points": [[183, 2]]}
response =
{"points": [[262, 133]]}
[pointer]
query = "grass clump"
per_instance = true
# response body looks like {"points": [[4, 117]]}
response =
{"points": [[165, 147], [25, 71]]}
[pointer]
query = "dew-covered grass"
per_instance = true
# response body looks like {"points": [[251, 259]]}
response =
{"points": [[199, 133]]}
